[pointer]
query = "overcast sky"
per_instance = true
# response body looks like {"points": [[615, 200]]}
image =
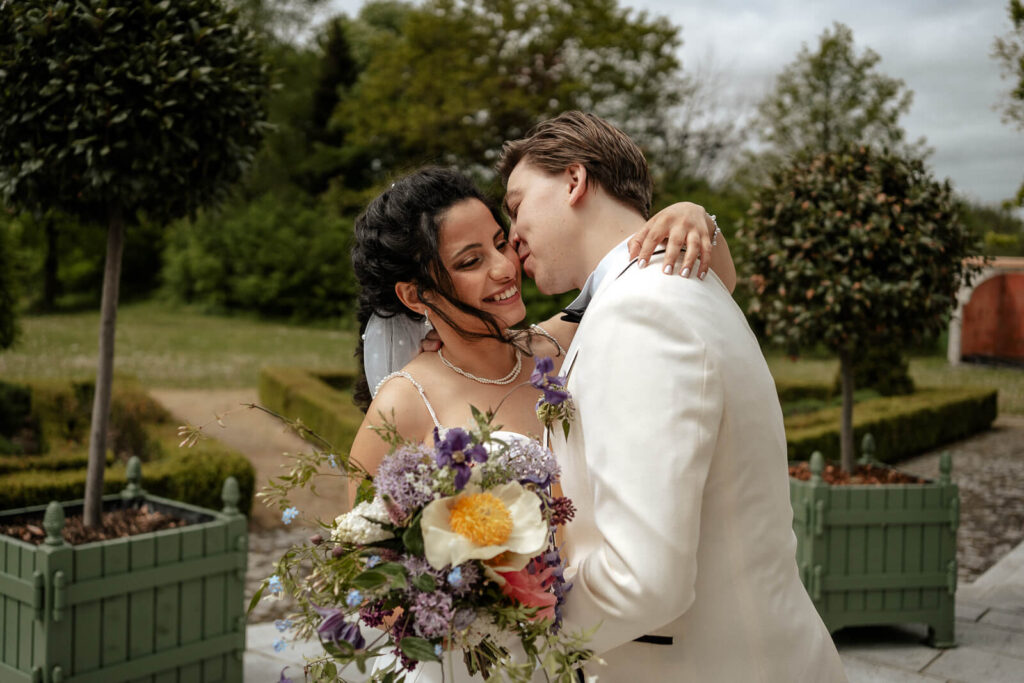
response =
{"points": [[940, 48]]}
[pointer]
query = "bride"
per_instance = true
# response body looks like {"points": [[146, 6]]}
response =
{"points": [[432, 252]]}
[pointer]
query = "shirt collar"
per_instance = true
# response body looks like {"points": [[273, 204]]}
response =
{"points": [[617, 258]]}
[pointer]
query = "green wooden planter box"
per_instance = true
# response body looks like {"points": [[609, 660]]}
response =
{"points": [[882, 554], [162, 607]]}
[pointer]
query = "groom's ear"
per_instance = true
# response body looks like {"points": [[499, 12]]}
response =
{"points": [[576, 175], [407, 294]]}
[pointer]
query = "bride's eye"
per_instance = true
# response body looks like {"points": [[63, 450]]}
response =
{"points": [[469, 263]]}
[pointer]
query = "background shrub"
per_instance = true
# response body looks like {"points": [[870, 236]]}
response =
{"points": [[902, 425], [279, 255]]}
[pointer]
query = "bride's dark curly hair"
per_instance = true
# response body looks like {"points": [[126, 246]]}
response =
{"points": [[397, 239]]}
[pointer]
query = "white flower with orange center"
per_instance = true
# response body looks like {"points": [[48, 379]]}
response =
{"points": [[480, 525]]}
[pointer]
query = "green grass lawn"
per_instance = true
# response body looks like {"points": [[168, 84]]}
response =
{"points": [[164, 346], [927, 371]]}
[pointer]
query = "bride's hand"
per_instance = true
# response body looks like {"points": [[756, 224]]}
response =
{"points": [[689, 233]]}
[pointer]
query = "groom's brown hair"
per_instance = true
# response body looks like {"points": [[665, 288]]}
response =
{"points": [[574, 137]]}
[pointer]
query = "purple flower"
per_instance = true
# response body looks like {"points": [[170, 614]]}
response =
{"points": [[457, 451], [544, 366], [555, 396], [335, 629], [434, 614], [283, 678], [404, 479]]}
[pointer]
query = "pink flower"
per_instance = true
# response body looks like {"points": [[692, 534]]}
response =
{"points": [[531, 589]]}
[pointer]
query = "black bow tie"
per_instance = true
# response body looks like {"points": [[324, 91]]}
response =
{"points": [[574, 315]]}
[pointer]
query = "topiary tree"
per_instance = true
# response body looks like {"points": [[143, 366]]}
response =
{"points": [[852, 249], [115, 110]]}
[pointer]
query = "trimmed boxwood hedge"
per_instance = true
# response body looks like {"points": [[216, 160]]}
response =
{"points": [[193, 476], [902, 425], [321, 400]]}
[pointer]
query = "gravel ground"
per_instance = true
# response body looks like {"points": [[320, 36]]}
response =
{"points": [[989, 469]]}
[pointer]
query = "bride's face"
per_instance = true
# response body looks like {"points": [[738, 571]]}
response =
{"points": [[483, 267]]}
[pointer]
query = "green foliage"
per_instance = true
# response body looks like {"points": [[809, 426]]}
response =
{"points": [[854, 248], [831, 98], [457, 79], [302, 395], [62, 261], [999, 227], [65, 411], [151, 106], [139, 426], [277, 255], [881, 367], [1008, 50], [903, 426], [19, 427], [8, 287], [194, 476]]}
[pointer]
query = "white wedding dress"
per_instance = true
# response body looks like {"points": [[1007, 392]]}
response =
{"points": [[454, 666]]}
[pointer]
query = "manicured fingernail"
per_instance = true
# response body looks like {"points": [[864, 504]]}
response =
{"points": [[703, 274], [686, 272], [667, 270], [642, 263]]}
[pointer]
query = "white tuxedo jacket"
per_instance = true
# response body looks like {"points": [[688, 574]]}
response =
{"points": [[676, 462]]}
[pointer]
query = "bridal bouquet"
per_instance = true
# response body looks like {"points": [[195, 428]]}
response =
{"points": [[449, 553]]}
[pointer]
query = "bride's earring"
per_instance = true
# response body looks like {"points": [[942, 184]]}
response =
{"points": [[426, 319]]}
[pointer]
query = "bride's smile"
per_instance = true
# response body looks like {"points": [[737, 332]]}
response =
{"points": [[482, 265]]}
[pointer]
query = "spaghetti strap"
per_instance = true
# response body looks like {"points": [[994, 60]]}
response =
{"points": [[419, 388]]}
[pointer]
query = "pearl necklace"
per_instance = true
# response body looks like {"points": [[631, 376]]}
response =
{"points": [[507, 379]]}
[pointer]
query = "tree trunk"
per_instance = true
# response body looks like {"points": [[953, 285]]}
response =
{"points": [[104, 370], [846, 422], [50, 283]]}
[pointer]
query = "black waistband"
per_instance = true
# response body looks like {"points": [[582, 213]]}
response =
{"points": [[654, 640]]}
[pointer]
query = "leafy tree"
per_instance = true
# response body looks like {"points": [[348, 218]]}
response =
{"points": [[853, 249], [830, 98], [117, 109], [1009, 51], [461, 77], [8, 293], [998, 226]]}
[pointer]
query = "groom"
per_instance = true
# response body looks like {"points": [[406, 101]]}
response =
{"points": [[682, 544]]}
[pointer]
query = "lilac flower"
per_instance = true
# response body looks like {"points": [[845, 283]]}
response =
{"points": [[280, 644], [434, 614], [373, 614], [335, 629], [544, 366], [524, 460], [457, 451], [288, 515], [404, 479], [463, 578]]}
